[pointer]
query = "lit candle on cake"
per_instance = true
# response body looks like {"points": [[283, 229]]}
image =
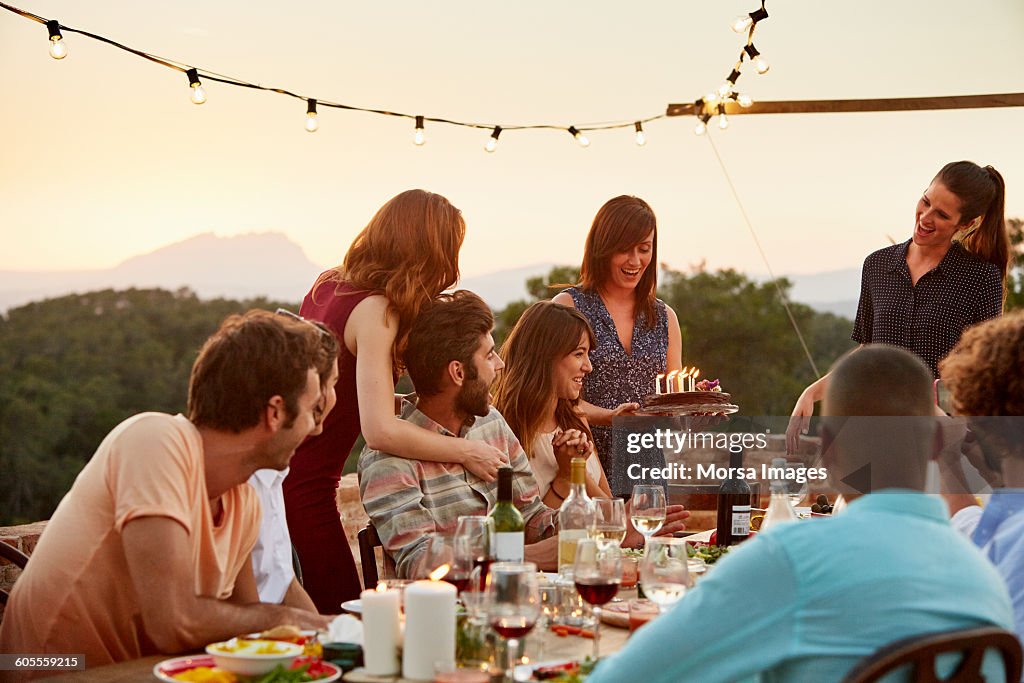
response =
{"points": [[657, 384], [429, 625], [681, 379], [693, 378], [381, 629]]}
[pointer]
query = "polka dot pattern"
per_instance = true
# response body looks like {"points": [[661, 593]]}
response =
{"points": [[929, 317]]}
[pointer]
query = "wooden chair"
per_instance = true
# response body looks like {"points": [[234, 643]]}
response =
{"points": [[369, 541], [15, 557], [920, 653]]}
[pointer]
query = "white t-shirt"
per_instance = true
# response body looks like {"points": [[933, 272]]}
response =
{"points": [[272, 555], [545, 466]]}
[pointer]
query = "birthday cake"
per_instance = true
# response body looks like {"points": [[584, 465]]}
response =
{"points": [[707, 397]]}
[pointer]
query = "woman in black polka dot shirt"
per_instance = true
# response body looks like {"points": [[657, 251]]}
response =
{"points": [[922, 294]]}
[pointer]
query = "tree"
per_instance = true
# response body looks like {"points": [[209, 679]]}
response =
{"points": [[1015, 279]]}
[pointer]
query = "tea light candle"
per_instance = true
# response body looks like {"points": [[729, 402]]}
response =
{"points": [[429, 628], [381, 630]]}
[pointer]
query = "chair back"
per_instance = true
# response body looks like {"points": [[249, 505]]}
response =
{"points": [[369, 541], [15, 557], [921, 652]]}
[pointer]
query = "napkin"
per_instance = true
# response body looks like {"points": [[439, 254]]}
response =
{"points": [[345, 629]]}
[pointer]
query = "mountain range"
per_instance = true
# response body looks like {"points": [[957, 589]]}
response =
{"points": [[269, 264]]}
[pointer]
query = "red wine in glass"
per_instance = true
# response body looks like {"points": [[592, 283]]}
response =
{"points": [[485, 567], [460, 581], [512, 627], [597, 591]]}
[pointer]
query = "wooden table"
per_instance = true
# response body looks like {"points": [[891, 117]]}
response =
{"points": [[551, 648]]}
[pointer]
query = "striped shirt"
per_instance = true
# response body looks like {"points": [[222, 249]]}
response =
{"points": [[409, 499]]}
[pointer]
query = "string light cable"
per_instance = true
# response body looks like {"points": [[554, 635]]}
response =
{"points": [[197, 76]]}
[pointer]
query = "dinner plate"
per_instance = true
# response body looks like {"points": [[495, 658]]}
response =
{"points": [[256, 636], [167, 669], [353, 606], [689, 410]]}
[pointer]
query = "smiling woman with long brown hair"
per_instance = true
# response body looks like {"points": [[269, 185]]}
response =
{"points": [[546, 362], [404, 257]]}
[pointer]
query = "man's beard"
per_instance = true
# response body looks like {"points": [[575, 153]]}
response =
{"points": [[472, 399]]}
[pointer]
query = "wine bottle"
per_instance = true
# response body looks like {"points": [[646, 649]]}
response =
{"points": [[508, 521], [733, 504], [575, 517], [780, 510]]}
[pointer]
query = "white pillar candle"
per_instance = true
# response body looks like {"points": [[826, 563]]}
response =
{"points": [[381, 631], [429, 628]]}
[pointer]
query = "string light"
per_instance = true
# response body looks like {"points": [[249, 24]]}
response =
{"points": [[580, 137], [704, 109], [312, 125], [742, 23], [726, 88], [418, 137], [198, 94], [723, 120], [58, 48], [760, 63], [492, 142], [702, 124], [744, 101]]}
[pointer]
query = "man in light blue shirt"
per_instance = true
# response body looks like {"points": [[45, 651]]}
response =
{"points": [[985, 375], [806, 601]]}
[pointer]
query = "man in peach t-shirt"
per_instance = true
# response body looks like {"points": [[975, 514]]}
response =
{"points": [[149, 552]]}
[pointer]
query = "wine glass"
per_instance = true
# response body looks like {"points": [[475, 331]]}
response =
{"points": [[609, 521], [597, 572], [478, 531], [451, 553], [664, 572], [513, 604], [647, 509]]}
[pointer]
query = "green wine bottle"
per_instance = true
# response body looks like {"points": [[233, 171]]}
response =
{"points": [[508, 522]]}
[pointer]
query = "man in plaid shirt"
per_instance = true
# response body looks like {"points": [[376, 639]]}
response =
{"points": [[452, 362]]}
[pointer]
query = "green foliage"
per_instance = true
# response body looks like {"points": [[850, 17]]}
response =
{"points": [[72, 368], [1015, 282], [541, 287]]}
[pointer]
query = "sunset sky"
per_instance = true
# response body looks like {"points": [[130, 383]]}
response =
{"points": [[105, 157]]}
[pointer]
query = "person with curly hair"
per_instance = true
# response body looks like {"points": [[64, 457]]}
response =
{"points": [[985, 374]]}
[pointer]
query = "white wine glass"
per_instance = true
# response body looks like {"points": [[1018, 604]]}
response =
{"points": [[647, 510], [664, 571], [513, 604], [609, 521]]}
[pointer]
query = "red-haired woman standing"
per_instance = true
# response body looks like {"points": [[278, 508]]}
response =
{"points": [[406, 255]]}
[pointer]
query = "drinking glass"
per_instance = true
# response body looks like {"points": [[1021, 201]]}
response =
{"points": [[513, 604], [449, 552], [609, 521], [478, 532], [597, 572], [664, 571], [794, 488], [647, 509]]}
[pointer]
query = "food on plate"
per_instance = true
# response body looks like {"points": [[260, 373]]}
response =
{"points": [[246, 646], [821, 505], [206, 674], [709, 553], [285, 632], [568, 672]]}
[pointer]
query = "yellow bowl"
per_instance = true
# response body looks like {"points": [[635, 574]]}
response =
{"points": [[253, 657]]}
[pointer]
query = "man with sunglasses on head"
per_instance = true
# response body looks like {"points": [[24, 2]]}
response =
{"points": [[149, 552]]}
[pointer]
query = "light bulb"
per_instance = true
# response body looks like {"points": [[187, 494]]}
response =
{"points": [[492, 142], [723, 121], [641, 139], [744, 101], [419, 137], [700, 128], [711, 99], [312, 125], [580, 137], [761, 65], [741, 24], [724, 89], [198, 94], [58, 49]]}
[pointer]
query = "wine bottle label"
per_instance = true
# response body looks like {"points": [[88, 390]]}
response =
{"points": [[508, 546], [740, 520]]}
